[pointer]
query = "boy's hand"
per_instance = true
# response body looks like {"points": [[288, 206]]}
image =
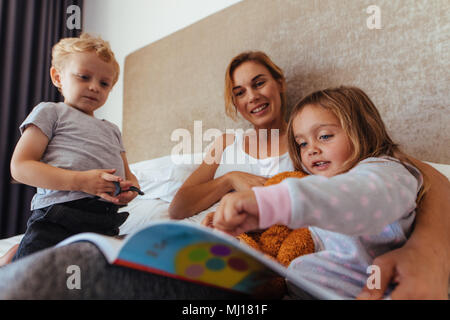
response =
{"points": [[126, 196], [237, 213], [99, 182]]}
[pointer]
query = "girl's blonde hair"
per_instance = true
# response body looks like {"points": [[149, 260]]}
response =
{"points": [[85, 43], [262, 59], [360, 120]]}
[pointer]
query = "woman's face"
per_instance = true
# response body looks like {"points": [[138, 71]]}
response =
{"points": [[256, 95]]}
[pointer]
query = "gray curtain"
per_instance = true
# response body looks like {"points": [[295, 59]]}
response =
{"points": [[28, 30]]}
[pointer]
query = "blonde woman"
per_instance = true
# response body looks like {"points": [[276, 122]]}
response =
{"points": [[254, 88]]}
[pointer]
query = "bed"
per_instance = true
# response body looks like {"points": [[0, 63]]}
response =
{"points": [[175, 86]]}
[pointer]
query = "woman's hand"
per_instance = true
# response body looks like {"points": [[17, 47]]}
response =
{"points": [[242, 181], [237, 213], [421, 267], [419, 271]]}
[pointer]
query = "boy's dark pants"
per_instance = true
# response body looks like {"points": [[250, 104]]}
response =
{"points": [[48, 226]]}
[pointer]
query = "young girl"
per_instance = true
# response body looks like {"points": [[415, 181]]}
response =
{"points": [[359, 201]]}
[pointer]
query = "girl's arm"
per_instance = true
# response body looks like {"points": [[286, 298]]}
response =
{"points": [[362, 201], [27, 168], [200, 191], [421, 267]]}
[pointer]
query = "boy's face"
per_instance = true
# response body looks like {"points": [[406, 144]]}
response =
{"points": [[84, 80], [324, 145]]}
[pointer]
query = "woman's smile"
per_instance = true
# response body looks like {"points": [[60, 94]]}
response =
{"points": [[259, 109]]}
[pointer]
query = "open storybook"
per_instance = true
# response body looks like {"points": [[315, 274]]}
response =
{"points": [[194, 253]]}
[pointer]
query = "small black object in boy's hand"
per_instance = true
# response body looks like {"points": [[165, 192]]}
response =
{"points": [[118, 190]]}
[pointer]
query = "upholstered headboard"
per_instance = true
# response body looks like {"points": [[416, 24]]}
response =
{"points": [[404, 67]]}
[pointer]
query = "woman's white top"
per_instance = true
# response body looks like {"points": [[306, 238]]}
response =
{"points": [[234, 158]]}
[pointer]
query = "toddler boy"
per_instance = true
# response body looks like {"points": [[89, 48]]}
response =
{"points": [[72, 157]]}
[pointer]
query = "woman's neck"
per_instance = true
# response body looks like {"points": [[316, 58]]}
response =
{"points": [[278, 124], [271, 141]]}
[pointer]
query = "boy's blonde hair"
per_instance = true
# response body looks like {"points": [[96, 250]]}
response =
{"points": [[258, 57], [85, 43], [359, 119]]}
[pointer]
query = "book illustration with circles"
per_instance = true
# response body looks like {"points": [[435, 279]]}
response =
{"points": [[190, 252], [196, 253]]}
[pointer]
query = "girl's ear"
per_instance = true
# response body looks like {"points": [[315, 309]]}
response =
{"points": [[54, 75]]}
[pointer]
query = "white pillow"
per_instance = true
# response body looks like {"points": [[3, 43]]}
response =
{"points": [[442, 168], [160, 178]]}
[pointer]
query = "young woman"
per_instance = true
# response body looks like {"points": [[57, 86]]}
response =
{"points": [[254, 88]]}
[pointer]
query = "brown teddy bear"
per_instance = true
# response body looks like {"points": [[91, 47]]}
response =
{"points": [[278, 241]]}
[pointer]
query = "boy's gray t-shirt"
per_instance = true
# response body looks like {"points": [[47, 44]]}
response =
{"points": [[77, 142]]}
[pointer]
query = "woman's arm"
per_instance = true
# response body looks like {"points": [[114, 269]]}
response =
{"points": [[421, 267], [200, 191]]}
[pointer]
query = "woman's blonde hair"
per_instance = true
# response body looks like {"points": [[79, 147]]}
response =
{"points": [[264, 60], [85, 43], [360, 120]]}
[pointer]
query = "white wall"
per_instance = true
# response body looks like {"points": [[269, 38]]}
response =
{"points": [[132, 24]]}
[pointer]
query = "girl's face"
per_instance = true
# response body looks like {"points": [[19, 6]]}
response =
{"points": [[257, 95], [324, 145]]}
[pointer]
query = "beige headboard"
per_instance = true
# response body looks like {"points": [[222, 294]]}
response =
{"points": [[404, 67]]}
